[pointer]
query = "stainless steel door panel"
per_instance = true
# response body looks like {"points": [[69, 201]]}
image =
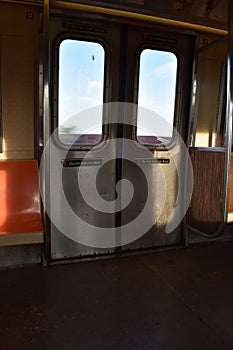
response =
{"points": [[143, 210]]}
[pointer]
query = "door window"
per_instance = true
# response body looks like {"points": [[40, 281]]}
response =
{"points": [[156, 93], [80, 87]]}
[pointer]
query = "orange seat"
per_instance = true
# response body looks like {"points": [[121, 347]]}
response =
{"points": [[20, 214]]}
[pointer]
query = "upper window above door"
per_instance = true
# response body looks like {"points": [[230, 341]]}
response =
{"points": [[157, 93], [80, 87]]}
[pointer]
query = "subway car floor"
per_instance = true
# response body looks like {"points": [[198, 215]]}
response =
{"points": [[176, 299]]}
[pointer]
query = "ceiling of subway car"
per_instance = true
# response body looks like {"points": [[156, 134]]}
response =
{"points": [[206, 11]]}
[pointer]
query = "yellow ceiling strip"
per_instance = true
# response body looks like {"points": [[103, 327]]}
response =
{"points": [[138, 16]]}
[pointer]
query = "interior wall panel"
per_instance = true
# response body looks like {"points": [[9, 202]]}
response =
{"points": [[18, 28]]}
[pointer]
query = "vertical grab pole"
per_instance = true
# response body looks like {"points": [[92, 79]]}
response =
{"points": [[229, 108], [45, 171], [46, 105]]}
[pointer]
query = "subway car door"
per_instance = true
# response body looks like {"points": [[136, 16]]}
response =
{"points": [[116, 174], [158, 80], [81, 189]]}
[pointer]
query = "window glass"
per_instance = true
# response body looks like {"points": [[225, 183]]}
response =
{"points": [[156, 92], [80, 87]]}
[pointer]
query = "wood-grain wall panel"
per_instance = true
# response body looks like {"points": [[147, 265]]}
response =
{"points": [[206, 211]]}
